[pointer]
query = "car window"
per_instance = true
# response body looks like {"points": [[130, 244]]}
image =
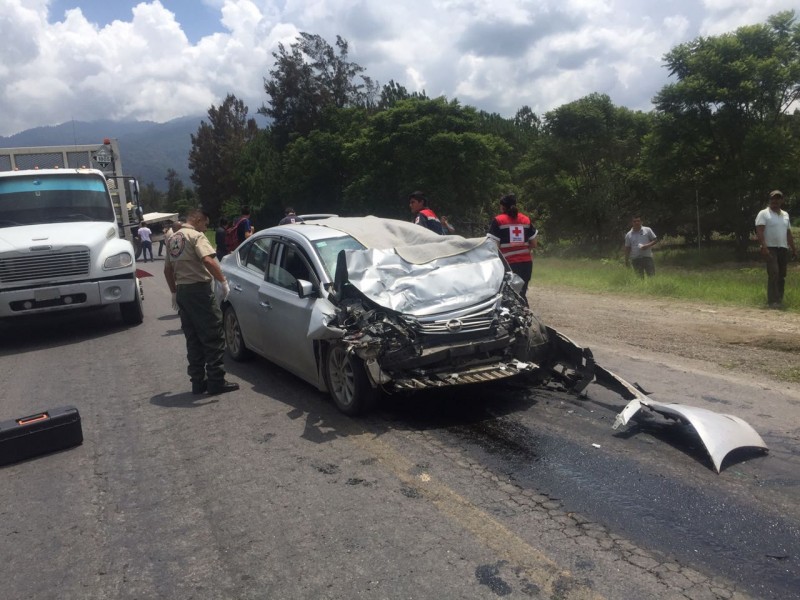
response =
{"points": [[328, 250], [256, 255], [287, 266]]}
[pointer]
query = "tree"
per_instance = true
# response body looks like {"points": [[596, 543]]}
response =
{"points": [[308, 80], [581, 171], [152, 200], [434, 145], [216, 151], [393, 92], [175, 191], [724, 126]]}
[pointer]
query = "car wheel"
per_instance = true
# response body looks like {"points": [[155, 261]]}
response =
{"points": [[536, 346], [234, 340], [347, 381], [132, 312]]}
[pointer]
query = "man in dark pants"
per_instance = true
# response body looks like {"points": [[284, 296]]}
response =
{"points": [[639, 242], [774, 231], [190, 268]]}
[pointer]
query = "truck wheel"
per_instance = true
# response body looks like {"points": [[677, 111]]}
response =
{"points": [[137, 248], [234, 340], [347, 381], [132, 312]]}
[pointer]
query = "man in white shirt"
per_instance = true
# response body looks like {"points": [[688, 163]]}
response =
{"points": [[144, 234], [774, 231], [638, 243]]}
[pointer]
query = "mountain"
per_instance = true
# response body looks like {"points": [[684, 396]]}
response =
{"points": [[148, 149]]}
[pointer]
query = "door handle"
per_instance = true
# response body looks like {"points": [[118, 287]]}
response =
{"points": [[265, 304], [236, 287]]}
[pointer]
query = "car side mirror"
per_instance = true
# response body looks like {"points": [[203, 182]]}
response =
{"points": [[305, 288]]}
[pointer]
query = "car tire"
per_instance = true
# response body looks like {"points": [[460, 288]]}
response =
{"points": [[537, 345], [132, 312], [234, 340], [347, 381]]}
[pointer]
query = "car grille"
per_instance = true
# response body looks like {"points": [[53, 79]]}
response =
{"points": [[472, 320], [474, 375], [45, 266]]}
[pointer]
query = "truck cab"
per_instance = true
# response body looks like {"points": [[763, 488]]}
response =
{"points": [[60, 245]]}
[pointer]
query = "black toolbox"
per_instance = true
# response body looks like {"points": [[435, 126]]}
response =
{"points": [[41, 433]]}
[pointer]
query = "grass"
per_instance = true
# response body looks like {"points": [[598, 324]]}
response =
{"points": [[704, 278]]}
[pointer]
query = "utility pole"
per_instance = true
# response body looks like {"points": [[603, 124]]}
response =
{"points": [[697, 208]]}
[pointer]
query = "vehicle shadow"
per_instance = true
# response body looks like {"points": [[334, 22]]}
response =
{"points": [[39, 332], [440, 408]]}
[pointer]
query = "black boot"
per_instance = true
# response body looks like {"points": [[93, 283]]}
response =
{"points": [[199, 387], [222, 387]]}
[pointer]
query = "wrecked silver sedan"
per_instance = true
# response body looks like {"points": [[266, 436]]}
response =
{"points": [[359, 305], [355, 305]]}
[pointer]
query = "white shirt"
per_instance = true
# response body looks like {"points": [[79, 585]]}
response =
{"points": [[144, 234], [635, 239], [776, 227]]}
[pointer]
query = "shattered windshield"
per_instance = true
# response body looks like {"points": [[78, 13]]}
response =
{"points": [[38, 199], [329, 248]]}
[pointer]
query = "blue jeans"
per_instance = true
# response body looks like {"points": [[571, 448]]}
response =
{"points": [[147, 246]]}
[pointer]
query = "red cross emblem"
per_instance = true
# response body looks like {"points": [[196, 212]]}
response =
{"points": [[516, 231]]}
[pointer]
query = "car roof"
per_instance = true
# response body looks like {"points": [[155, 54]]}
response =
{"points": [[307, 230], [413, 243]]}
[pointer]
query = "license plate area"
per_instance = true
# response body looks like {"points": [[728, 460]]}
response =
{"points": [[45, 294]]}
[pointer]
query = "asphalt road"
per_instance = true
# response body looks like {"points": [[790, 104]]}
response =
{"points": [[497, 491]]}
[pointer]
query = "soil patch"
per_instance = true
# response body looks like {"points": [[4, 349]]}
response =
{"points": [[756, 341]]}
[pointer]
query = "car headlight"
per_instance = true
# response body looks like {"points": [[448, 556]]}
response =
{"points": [[118, 261]]}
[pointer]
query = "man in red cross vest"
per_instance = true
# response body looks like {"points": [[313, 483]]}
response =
{"points": [[423, 215], [516, 238]]}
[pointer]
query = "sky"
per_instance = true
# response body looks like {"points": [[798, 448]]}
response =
{"points": [[84, 60]]}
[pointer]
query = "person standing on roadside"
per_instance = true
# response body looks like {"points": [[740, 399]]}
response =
{"points": [[774, 231], [144, 234], [423, 215], [516, 236], [219, 237], [190, 269], [164, 239], [639, 242], [244, 226]]}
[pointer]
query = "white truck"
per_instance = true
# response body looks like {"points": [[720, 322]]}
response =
{"points": [[66, 231]]}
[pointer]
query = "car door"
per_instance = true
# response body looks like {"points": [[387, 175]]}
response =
{"points": [[286, 317], [246, 282]]}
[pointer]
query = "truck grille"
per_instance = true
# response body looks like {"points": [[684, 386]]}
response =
{"points": [[45, 266]]}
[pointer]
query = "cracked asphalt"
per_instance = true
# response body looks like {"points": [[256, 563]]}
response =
{"points": [[501, 491]]}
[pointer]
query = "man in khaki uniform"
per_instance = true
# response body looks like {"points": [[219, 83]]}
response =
{"points": [[190, 268]]}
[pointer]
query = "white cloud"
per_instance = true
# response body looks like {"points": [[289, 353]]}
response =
{"points": [[494, 54]]}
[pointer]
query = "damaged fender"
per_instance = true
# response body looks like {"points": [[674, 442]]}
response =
{"points": [[720, 433]]}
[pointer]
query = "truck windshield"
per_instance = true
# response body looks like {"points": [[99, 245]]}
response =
{"points": [[37, 199]]}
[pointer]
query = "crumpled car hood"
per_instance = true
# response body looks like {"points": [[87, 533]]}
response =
{"points": [[411, 270], [439, 285]]}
